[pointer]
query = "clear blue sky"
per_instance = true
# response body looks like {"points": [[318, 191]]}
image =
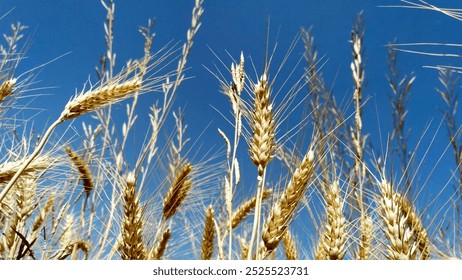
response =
{"points": [[57, 27]]}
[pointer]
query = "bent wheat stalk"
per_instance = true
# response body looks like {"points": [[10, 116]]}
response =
{"points": [[114, 90]]}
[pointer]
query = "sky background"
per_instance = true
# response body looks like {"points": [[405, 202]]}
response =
{"points": [[57, 27]]}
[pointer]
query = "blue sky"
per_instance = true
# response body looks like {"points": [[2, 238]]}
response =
{"points": [[57, 27]]}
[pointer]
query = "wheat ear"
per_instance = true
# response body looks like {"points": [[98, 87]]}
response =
{"points": [[208, 236], [9, 169], [262, 146], [6, 88], [334, 236], [399, 234], [84, 170], [420, 232], [246, 208], [101, 96], [290, 246], [177, 193], [283, 210], [132, 246], [161, 247]]}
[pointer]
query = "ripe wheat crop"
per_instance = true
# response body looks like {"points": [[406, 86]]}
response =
{"points": [[317, 188]]}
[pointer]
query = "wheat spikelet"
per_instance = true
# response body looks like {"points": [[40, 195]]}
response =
{"points": [[283, 211], [159, 250], [290, 246], [84, 170], [246, 208], [263, 126], [208, 236], [177, 193], [6, 88], [334, 236], [132, 246], [399, 234]]}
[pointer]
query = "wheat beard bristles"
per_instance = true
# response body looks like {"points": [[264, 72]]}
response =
{"points": [[262, 144], [399, 234], [333, 239], [283, 211], [209, 235], [101, 96], [132, 246], [178, 191]]}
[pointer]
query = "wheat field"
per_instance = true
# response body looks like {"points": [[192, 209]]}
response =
{"points": [[296, 171]]}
